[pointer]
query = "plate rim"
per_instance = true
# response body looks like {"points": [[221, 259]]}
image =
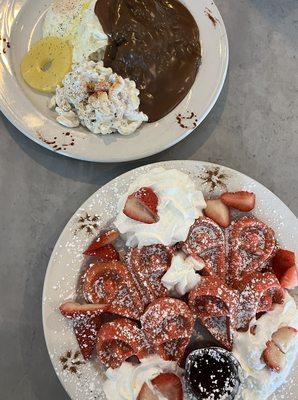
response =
{"points": [[121, 177]]}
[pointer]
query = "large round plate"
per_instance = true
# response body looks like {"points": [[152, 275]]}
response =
{"points": [[21, 22], [82, 381]]}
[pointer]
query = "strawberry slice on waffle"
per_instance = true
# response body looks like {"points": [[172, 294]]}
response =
{"points": [[168, 324], [147, 265], [86, 323], [104, 254], [206, 240], [251, 246], [119, 340], [104, 239], [111, 283]]}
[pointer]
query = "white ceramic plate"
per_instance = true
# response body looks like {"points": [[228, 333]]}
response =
{"points": [[21, 22], [82, 381]]}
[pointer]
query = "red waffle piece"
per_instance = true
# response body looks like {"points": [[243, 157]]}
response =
{"points": [[216, 306], [206, 240], [259, 291], [112, 284], [168, 324], [220, 329], [86, 323], [251, 246], [147, 265], [119, 340]]}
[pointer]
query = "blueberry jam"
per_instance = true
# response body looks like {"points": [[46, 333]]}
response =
{"points": [[212, 373]]}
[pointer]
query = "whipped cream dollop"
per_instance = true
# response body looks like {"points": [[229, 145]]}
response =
{"points": [[181, 277], [260, 381], [125, 382], [179, 204]]}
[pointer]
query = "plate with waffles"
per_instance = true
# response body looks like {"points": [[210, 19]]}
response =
{"points": [[176, 280]]}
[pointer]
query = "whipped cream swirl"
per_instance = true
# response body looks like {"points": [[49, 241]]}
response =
{"points": [[181, 277], [179, 204], [125, 382]]}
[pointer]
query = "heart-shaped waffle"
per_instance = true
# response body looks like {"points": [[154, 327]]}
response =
{"points": [[112, 284], [220, 307], [120, 339], [251, 246], [147, 265], [168, 324], [206, 240]]}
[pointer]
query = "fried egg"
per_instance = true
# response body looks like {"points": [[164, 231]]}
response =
{"points": [[76, 21]]}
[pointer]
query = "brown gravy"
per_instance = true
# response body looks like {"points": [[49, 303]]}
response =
{"points": [[156, 43]]}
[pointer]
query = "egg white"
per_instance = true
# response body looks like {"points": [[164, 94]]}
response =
{"points": [[76, 21]]}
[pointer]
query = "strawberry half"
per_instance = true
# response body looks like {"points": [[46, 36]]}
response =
{"points": [[289, 280], [282, 261], [86, 323], [167, 384], [76, 310], [218, 212], [283, 338], [103, 240], [146, 393], [104, 253], [142, 206], [243, 201], [273, 357]]}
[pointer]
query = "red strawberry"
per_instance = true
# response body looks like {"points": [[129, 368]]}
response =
{"points": [[284, 337], [167, 384], [243, 201], [86, 324], [74, 310], [104, 239], [282, 261], [289, 280], [104, 253], [273, 357], [142, 206], [147, 394], [218, 212]]}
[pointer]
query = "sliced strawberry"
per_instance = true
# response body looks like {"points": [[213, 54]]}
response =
{"points": [[74, 310], [86, 324], [104, 253], [282, 261], [168, 385], [243, 201], [218, 212], [147, 394], [104, 239], [289, 280], [283, 338], [142, 206], [273, 357]]}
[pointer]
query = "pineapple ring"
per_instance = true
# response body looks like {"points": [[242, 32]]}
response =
{"points": [[46, 64]]}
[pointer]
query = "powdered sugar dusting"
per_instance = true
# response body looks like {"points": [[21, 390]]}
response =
{"points": [[66, 262]]}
